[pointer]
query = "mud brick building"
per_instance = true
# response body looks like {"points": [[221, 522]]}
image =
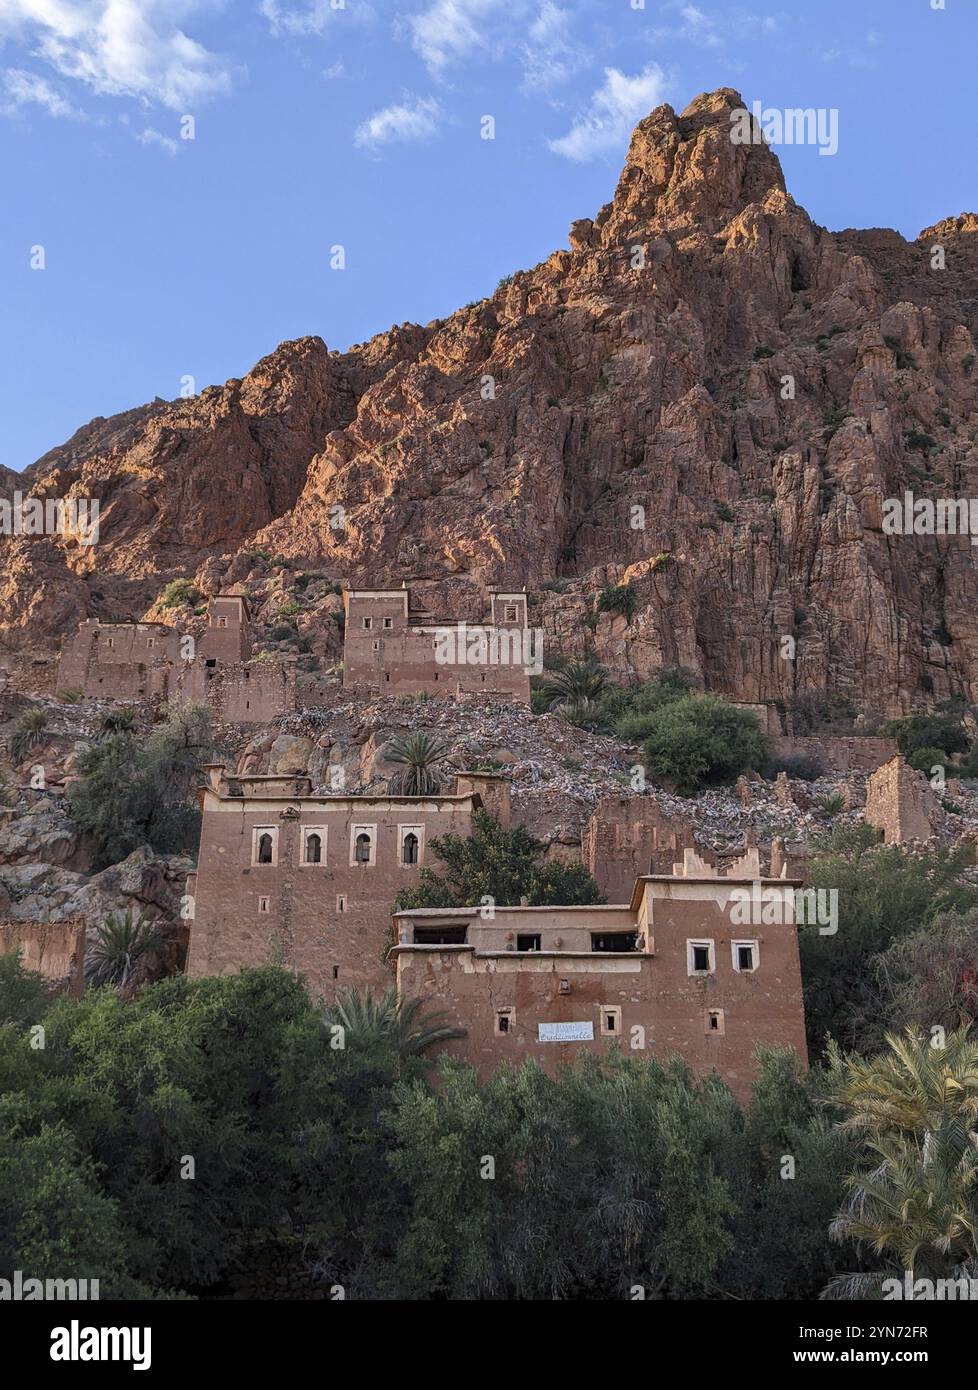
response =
{"points": [[676, 969], [309, 882], [391, 649], [629, 836], [131, 661]]}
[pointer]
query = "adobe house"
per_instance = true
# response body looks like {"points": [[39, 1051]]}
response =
{"points": [[391, 649], [697, 964], [126, 661], [309, 882]]}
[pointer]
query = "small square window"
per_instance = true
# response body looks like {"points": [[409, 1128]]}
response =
{"points": [[745, 956], [528, 941], [700, 959], [714, 1021], [367, 624], [511, 613], [222, 622], [376, 646], [611, 1021], [388, 622], [505, 1018]]}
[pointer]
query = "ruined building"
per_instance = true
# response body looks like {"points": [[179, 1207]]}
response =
{"points": [[309, 882], [390, 648], [132, 661], [693, 963]]}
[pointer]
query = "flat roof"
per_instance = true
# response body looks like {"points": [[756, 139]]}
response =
{"points": [[555, 907]]}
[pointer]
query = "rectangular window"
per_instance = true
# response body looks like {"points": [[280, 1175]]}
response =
{"points": [[714, 1021], [341, 902], [410, 846], [439, 936], [367, 624], [700, 958], [510, 613], [263, 904], [611, 1021], [745, 956], [264, 845], [376, 646], [388, 622], [363, 845], [528, 941], [505, 1018], [614, 940], [313, 846]]}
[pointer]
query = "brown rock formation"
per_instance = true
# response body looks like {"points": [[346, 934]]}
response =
{"points": [[511, 444]]}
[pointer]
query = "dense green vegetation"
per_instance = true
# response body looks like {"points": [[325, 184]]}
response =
{"points": [[133, 791], [502, 865]]}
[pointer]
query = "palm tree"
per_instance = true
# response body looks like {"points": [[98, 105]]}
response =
{"points": [[121, 940], [421, 758], [579, 684], [915, 1108], [391, 1019], [28, 734]]}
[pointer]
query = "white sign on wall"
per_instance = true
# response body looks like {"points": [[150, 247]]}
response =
{"points": [[565, 1032]]}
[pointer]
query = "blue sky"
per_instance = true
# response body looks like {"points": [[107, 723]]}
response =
{"points": [[320, 123]]}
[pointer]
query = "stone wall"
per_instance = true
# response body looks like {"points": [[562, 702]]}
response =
{"points": [[628, 836], [900, 802], [858, 753]]}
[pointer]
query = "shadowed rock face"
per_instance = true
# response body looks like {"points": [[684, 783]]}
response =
{"points": [[512, 443]]}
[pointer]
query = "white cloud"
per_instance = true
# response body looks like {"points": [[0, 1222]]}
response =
{"points": [[410, 120], [449, 30], [618, 104], [131, 48], [154, 137], [550, 55], [336, 71], [311, 18], [22, 89], [696, 26]]}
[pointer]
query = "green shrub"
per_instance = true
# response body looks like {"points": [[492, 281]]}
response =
{"points": [[916, 439], [620, 599], [941, 731], [723, 511], [924, 759], [762, 352], [700, 739], [179, 592], [29, 733]]}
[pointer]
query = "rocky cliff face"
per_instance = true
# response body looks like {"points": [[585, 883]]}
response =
{"points": [[617, 415]]}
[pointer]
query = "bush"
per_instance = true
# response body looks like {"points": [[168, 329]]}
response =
{"points": [[130, 793], [505, 865], [700, 739], [806, 767], [179, 592], [941, 731], [924, 759], [618, 600], [29, 733]]}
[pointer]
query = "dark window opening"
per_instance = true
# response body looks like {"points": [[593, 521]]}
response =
{"points": [[528, 941], [439, 936], [409, 849], [336, 972], [502, 1022], [610, 1022], [211, 663], [314, 849], [362, 851], [701, 958], [614, 940], [265, 849], [745, 957], [714, 1023]]}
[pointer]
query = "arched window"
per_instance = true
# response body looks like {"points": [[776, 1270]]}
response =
{"points": [[362, 853], [314, 849], [409, 849], [265, 848]]}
